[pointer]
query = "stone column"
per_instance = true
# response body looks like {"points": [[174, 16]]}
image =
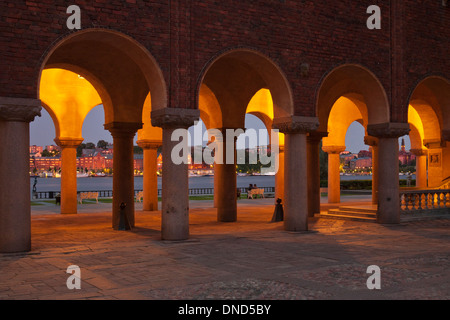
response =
{"points": [[175, 183], [435, 161], [15, 210], [334, 178], [216, 186], [218, 154], [313, 161], [225, 173], [150, 201], [421, 167], [388, 179], [373, 143], [295, 129], [69, 201], [279, 176], [123, 171]]}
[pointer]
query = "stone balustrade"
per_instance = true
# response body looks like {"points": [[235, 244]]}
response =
{"points": [[422, 201]]}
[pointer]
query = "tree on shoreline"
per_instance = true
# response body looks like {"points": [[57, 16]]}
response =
{"points": [[102, 144], [52, 153]]}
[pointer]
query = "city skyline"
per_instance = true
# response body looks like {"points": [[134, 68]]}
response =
{"points": [[42, 131]]}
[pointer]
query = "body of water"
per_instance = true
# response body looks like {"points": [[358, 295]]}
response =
{"points": [[106, 183]]}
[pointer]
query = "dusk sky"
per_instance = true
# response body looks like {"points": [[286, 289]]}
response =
{"points": [[42, 131]]}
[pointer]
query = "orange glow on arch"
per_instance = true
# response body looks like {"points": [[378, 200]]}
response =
{"points": [[342, 115], [69, 97], [261, 105], [148, 132]]}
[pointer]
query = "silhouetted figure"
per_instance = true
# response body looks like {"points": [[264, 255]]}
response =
{"points": [[124, 224], [278, 213], [34, 188], [408, 180]]}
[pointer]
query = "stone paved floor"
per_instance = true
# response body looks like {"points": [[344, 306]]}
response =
{"points": [[249, 259]]}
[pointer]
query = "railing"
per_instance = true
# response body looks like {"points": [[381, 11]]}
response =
{"points": [[109, 193], [445, 184], [54, 194], [420, 201], [267, 190]]}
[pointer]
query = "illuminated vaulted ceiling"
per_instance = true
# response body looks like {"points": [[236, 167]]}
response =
{"points": [[68, 98]]}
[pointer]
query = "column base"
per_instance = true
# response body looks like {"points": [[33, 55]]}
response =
{"points": [[388, 181], [15, 210]]}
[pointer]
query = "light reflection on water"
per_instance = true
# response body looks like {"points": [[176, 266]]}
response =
{"points": [[106, 183]]}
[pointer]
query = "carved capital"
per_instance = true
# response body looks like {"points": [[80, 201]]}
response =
{"points": [[174, 117], [434, 143], [149, 144], [123, 129], [333, 149], [65, 142], [295, 124], [419, 152], [388, 130], [371, 141], [19, 110], [316, 136]]}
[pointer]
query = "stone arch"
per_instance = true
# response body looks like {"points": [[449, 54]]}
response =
{"points": [[346, 110], [415, 136], [122, 77], [347, 93], [209, 107], [350, 80], [123, 72], [431, 98], [236, 75], [68, 98], [149, 132], [422, 112], [53, 116], [233, 77], [261, 106]]}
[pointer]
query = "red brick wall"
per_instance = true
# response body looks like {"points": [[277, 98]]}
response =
{"points": [[28, 29], [292, 33], [184, 36], [427, 42]]}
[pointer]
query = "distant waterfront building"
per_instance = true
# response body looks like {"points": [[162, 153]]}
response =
{"points": [[91, 160], [52, 147], [360, 163], [364, 154], [94, 160], [405, 157], [346, 156], [138, 162], [363, 159], [45, 163], [36, 149], [159, 163]]}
